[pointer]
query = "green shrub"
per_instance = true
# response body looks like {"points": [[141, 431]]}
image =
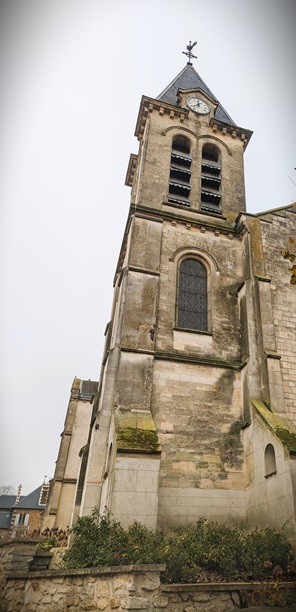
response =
{"points": [[46, 544], [263, 546], [191, 553], [99, 540], [230, 552]]}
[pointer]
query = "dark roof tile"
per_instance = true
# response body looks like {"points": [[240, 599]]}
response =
{"points": [[188, 78], [5, 518], [31, 501], [7, 501], [88, 388]]}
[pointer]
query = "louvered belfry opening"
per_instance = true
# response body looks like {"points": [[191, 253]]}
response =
{"points": [[211, 179], [192, 296], [180, 172]]}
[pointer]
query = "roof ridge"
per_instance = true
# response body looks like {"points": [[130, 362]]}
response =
{"points": [[162, 93], [187, 67], [189, 78], [31, 500], [273, 210]]}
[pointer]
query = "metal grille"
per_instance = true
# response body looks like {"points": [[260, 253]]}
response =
{"points": [[192, 298]]}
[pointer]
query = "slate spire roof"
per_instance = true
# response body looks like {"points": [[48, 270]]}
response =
{"points": [[188, 78]]}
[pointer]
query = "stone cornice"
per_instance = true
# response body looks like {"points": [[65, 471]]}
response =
{"points": [[132, 167], [233, 130], [188, 358], [148, 105], [144, 270], [192, 218]]}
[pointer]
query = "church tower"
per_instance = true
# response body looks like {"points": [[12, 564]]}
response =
{"points": [[166, 445], [192, 393]]}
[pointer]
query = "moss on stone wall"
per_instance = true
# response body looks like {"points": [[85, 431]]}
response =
{"points": [[280, 425], [129, 438], [135, 430], [287, 437]]}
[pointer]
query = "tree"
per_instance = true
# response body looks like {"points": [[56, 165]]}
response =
{"points": [[7, 490]]}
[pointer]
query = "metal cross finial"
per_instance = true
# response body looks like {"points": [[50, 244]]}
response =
{"points": [[189, 52]]}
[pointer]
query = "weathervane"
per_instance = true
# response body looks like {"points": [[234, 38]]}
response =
{"points": [[189, 52]]}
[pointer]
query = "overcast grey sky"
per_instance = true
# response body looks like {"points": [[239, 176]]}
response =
{"points": [[72, 76]]}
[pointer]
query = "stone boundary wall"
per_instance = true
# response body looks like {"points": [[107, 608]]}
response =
{"points": [[119, 588]]}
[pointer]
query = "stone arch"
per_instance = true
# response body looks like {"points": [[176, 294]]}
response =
{"points": [[208, 259], [202, 320], [269, 461], [179, 129], [210, 137]]}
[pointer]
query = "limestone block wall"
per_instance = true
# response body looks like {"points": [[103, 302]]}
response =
{"points": [[196, 407], [180, 505], [222, 257], [276, 232], [131, 588], [150, 288], [79, 436], [135, 489], [65, 507], [134, 381], [121, 588], [197, 413], [15, 555], [113, 589], [270, 500], [140, 309], [61, 499], [145, 232]]}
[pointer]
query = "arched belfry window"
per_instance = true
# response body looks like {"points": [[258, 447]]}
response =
{"points": [[180, 171], [192, 301], [270, 463], [211, 179]]}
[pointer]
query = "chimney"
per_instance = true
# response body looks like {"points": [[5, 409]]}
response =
{"points": [[18, 495]]}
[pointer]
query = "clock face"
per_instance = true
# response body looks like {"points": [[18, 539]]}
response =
{"points": [[198, 105]]}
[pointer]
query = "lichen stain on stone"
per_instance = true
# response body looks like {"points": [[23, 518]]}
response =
{"points": [[231, 447], [137, 439]]}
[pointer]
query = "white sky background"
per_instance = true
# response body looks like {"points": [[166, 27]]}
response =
{"points": [[72, 76]]}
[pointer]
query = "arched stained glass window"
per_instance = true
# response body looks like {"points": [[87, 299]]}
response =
{"points": [[192, 295]]}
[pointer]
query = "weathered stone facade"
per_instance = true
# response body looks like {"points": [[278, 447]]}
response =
{"points": [[179, 428], [277, 228], [64, 488]]}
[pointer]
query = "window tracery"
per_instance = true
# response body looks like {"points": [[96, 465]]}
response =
{"points": [[192, 302]]}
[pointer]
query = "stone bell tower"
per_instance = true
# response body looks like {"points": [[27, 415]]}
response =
{"points": [[166, 437], [184, 351]]}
